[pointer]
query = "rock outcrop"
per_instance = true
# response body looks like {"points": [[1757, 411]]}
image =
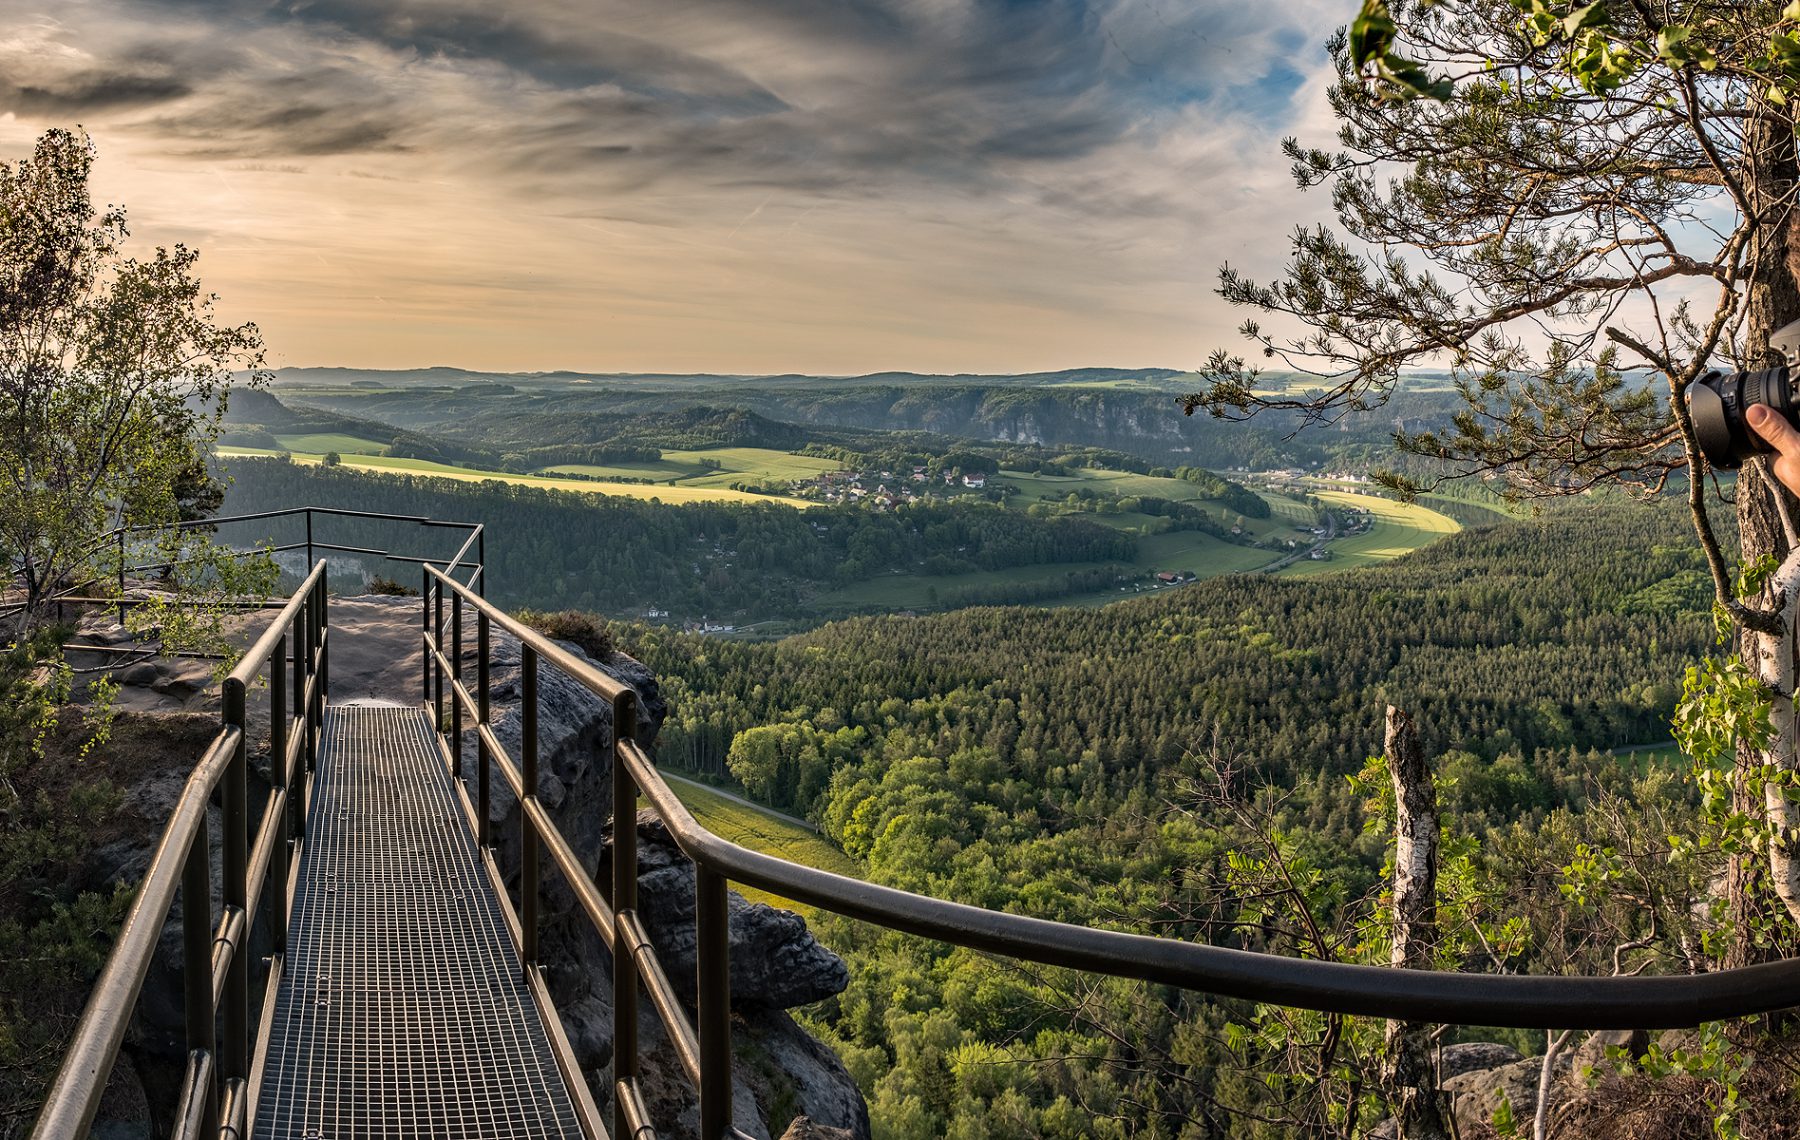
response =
{"points": [[1463, 1072], [775, 962]]}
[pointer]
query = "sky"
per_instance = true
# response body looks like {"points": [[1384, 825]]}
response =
{"points": [[734, 186]]}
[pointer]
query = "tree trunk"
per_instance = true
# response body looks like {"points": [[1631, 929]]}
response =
{"points": [[1767, 517], [1420, 1109]]}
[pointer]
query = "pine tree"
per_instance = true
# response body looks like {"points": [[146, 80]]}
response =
{"points": [[1581, 209]]}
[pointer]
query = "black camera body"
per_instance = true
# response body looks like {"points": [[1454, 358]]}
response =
{"points": [[1717, 403]]}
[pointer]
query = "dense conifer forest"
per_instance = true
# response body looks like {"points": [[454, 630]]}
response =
{"points": [[1123, 766]]}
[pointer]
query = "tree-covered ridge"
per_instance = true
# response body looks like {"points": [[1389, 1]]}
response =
{"points": [[1141, 423], [622, 556]]}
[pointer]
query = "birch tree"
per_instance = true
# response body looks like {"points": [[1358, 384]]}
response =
{"points": [[1580, 210]]}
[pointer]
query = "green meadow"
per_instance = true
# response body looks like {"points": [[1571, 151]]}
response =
{"points": [[766, 832], [331, 441]]}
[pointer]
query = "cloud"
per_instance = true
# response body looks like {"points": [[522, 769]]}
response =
{"points": [[93, 91], [994, 168]]}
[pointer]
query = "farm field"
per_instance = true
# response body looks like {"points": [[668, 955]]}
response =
{"points": [[661, 491], [661, 470], [332, 441], [1400, 528], [1034, 487], [765, 832], [736, 465]]}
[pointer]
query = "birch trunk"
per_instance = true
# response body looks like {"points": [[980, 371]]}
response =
{"points": [[1407, 1069], [1767, 516]]}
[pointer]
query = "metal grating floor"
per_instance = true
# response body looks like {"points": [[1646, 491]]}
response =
{"points": [[402, 1011]]}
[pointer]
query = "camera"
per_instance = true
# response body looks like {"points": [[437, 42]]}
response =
{"points": [[1718, 400]]}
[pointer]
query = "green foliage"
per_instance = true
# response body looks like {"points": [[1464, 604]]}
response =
{"points": [[121, 370], [1714, 1059], [391, 588], [1392, 75], [584, 630]]}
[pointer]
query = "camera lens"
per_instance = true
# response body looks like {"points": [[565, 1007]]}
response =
{"points": [[1717, 403]]}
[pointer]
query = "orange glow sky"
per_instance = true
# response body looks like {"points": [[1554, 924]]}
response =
{"points": [[751, 186]]}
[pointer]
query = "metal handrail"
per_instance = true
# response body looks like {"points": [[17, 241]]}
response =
{"points": [[215, 961], [477, 538], [1529, 1002]]}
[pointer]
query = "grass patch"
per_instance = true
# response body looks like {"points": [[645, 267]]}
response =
{"points": [[750, 465], [662, 470], [332, 441], [764, 832]]}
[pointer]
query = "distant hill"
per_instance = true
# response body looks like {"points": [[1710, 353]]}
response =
{"points": [[1172, 379]]}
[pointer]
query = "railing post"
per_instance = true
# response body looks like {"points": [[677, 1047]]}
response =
{"points": [[121, 572], [482, 763], [302, 637], [324, 645], [437, 668], [712, 922], [234, 889], [528, 838], [624, 902], [425, 632], [456, 708], [309, 546], [481, 558], [196, 967], [281, 776]]}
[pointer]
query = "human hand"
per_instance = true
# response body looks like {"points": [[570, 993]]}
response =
{"points": [[1780, 435]]}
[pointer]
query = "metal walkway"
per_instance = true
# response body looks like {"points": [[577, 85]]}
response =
{"points": [[402, 1010]]}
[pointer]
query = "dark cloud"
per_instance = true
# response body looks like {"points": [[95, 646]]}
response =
{"points": [[833, 97], [91, 91]]}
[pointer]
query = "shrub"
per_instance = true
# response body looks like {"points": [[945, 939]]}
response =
{"points": [[380, 585], [583, 629]]}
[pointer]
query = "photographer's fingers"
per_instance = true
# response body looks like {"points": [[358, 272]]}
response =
{"points": [[1775, 430], [1783, 438]]}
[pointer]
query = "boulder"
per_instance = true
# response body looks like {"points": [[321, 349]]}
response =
{"points": [[1590, 1057], [1473, 1057], [775, 962], [1476, 1096]]}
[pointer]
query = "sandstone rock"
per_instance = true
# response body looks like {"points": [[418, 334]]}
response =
{"points": [[1473, 1057], [1590, 1057], [820, 1090], [1478, 1095], [775, 961]]}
